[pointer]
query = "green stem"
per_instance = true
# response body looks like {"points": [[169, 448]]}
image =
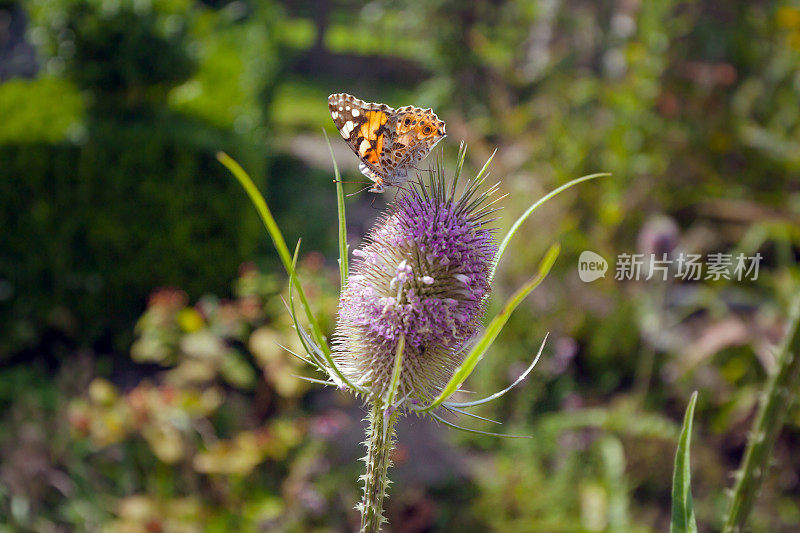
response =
{"points": [[776, 399], [380, 442]]}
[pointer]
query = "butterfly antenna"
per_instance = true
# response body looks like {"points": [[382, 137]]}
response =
{"points": [[348, 181], [360, 191]]}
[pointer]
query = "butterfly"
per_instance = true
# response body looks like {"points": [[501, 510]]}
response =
{"points": [[388, 141]]}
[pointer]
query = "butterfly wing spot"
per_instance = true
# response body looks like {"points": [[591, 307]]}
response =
{"points": [[356, 112], [364, 147], [347, 129], [372, 157]]}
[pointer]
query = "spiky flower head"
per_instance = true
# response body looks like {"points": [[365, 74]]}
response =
{"points": [[422, 275]]}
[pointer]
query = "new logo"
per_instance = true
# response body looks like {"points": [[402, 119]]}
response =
{"points": [[591, 266]]}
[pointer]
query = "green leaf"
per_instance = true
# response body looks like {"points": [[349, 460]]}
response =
{"points": [[683, 519], [277, 238], [530, 211], [493, 330], [344, 266]]}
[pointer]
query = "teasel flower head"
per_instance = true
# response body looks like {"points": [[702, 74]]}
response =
{"points": [[421, 278]]}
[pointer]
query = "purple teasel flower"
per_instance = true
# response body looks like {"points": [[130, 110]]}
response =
{"points": [[423, 276]]}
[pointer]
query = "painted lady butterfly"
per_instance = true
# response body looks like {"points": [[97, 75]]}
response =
{"points": [[388, 141]]}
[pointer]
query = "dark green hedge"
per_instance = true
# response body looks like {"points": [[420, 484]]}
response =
{"points": [[89, 230]]}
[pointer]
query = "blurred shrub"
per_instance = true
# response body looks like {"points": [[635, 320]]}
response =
{"points": [[129, 195], [90, 229], [133, 51], [25, 119]]}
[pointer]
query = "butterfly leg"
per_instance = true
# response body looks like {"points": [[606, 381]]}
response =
{"points": [[378, 187]]}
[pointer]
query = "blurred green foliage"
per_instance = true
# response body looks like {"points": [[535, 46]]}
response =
{"points": [[25, 120], [112, 190]]}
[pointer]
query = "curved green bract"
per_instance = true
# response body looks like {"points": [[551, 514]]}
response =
{"points": [[326, 364], [493, 330], [533, 208], [277, 238], [344, 266], [502, 392]]}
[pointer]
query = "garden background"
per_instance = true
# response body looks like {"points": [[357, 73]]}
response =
{"points": [[142, 385]]}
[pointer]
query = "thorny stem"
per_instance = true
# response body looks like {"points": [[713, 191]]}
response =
{"points": [[380, 442], [776, 399]]}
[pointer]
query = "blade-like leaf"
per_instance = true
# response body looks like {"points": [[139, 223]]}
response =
{"points": [[493, 330], [683, 520], [773, 408], [344, 266], [462, 154], [308, 344], [277, 238], [530, 211]]}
